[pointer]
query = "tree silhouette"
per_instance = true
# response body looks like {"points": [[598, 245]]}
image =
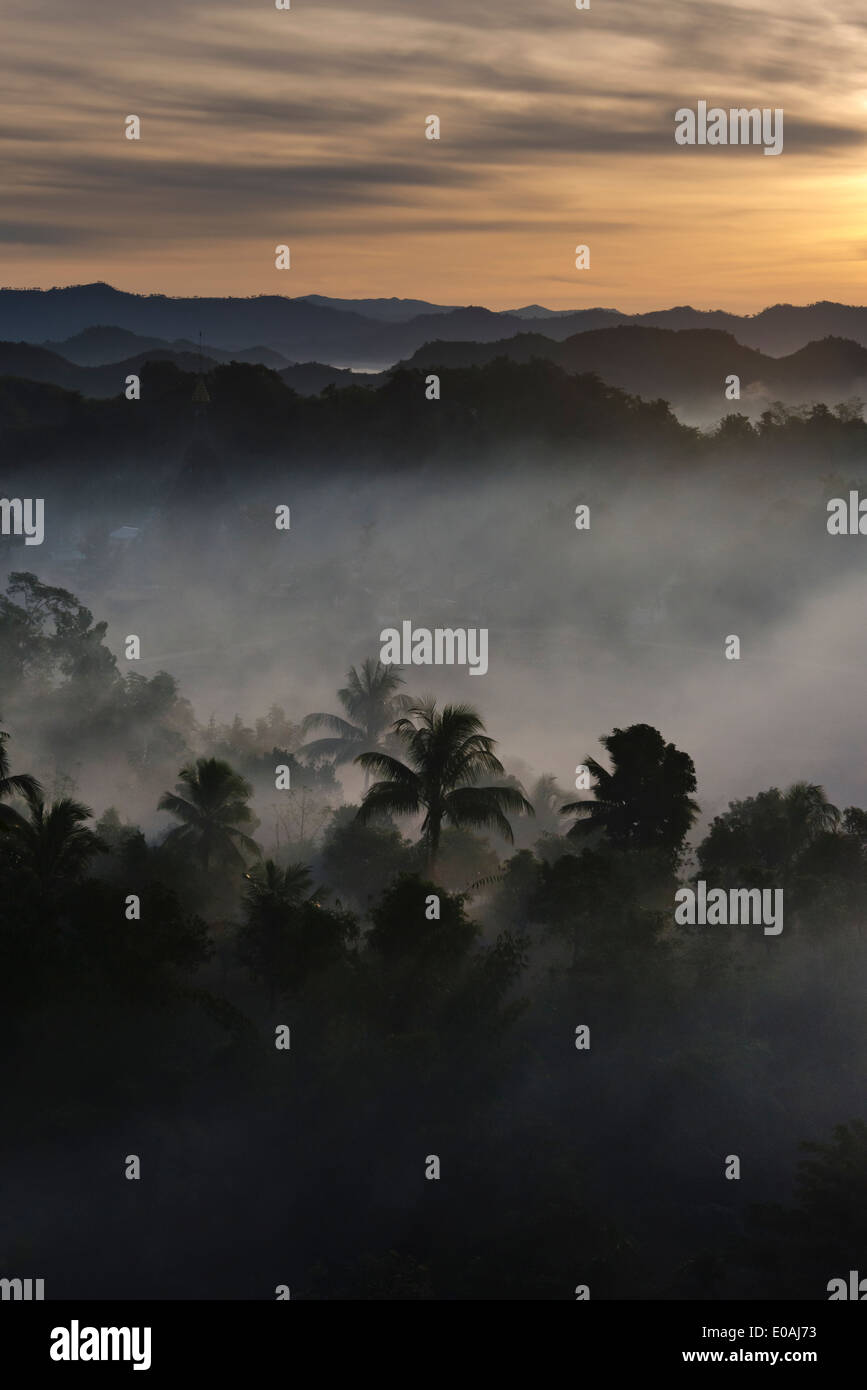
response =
{"points": [[22, 784], [447, 752], [288, 935], [758, 840], [270, 888], [271, 897], [371, 702], [52, 844], [359, 861], [645, 802], [546, 797], [798, 1247], [211, 802]]}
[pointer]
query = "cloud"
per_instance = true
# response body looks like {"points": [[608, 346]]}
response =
{"points": [[255, 120], [41, 234]]}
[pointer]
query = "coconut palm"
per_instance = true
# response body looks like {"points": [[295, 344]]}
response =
{"points": [[546, 797], [371, 702], [808, 813], [52, 842], [268, 887], [22, 784], [210, 800], [447, 752], [272, 897], [287, 934]]}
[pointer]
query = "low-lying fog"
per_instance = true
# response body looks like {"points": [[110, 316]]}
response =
{"points": [[588, 629]]}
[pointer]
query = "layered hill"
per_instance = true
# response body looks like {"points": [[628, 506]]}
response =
{"points": [[374, 333], [689, 368]]}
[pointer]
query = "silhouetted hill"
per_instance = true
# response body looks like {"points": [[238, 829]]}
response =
{"points": [[255, 424], [386, 310], [253, 416], [32, 363], [103, 343], [590, 318], [313, 328], [687, 368], [310, 378], [290, 326], [96, 346]]}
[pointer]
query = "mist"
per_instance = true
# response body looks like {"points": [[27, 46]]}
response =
{"points": [[588, 630], [698, 1037]]}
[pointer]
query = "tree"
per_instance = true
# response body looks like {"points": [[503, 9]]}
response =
{"points": [[270, 888], [758, 840], [797, 1249], [51, 633], [610, 906], [22, 784], [403, 931], [211, 802], [52, 844], [359, 861], [545, 796], [645, 802], [447, 751], [371, 701], [287, 934]]}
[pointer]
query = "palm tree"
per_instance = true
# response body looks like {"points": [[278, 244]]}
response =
{"points": [[644, 803], [808, 814], [52, 842], [20, 785], [269, 887], [211, 802], [546, 797], [271, 898], [447, 752], [371, 701]]}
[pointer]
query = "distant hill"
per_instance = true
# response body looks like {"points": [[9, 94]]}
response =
{"points": [[537, 311], [370, 334], [688, 368], [311, 378], [386, 310], [104, 343], [30, 363], [256, 429], [260, 425]]}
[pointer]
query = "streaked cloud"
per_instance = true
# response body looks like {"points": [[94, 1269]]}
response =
{"points": [[307, 126]]}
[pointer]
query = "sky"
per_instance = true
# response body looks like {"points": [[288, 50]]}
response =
{"points": [[306, 127]]}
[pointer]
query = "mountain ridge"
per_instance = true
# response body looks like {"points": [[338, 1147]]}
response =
{"points": [[310, 327]]}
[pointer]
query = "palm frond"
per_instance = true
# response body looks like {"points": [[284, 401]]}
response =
{"points": [[388, 799], [342, 750], [339, 726], [389, 767], [184, 810], [485, 806]]}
